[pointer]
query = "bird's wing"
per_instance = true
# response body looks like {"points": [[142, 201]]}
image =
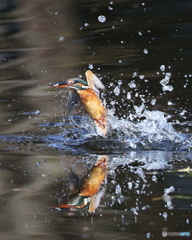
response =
{"points": [[72, 100], [94, 82]]}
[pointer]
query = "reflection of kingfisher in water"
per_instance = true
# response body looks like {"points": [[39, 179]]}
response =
{"points": [[88, 94], [90, 191]]}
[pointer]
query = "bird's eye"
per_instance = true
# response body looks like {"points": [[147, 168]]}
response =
{"points": [[75, 81]]}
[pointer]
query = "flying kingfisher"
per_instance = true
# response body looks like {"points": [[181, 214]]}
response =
{"points": [[88, 94]]}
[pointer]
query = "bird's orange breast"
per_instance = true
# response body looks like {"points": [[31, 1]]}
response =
{"points": [[92, 104]]}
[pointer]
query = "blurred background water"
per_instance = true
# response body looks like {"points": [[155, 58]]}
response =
{"points": [[142, 53]]}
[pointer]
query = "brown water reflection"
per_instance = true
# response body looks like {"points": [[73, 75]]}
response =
{"points": [[138, 45], [132, 206]]}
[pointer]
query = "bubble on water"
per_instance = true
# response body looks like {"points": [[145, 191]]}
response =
{"points": [[145, 51], [102, 18], [90, 66], [117, 90], [162, 68]]}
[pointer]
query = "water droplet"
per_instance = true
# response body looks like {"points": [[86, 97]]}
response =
{"points": [[154, 178], [37, 112], [153, 101], [118, 189], [164, 81], [38, 164], [145, 51], [169, 190], [162, 68], [128, 95], [167, 76], [102, 18], [86, 24], [61, 38], [165, 215], [167, 88], [90, 66], [120, 82], [148, 235], [169, 205], [130, 185], [169, 103], [132, 84], [117, 90], [182, 113], [134, 74]]}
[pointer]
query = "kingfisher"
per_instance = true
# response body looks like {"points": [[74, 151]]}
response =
{"points": [[88, 94]]}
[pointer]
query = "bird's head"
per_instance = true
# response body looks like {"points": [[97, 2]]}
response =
{"points": [[74, 83]]}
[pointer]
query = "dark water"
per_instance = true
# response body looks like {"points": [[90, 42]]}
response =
{"points": [[142, 53]]}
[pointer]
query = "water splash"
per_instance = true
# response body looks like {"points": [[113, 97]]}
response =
{"points": [[144, 130], [152, 132]]}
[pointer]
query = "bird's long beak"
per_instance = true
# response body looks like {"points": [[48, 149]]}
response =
{"points": [[61, 84]]}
